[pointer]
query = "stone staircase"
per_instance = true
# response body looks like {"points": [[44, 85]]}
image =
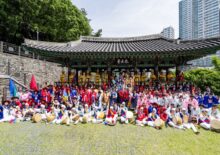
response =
{"points": [[21, 65], [4, 85]]}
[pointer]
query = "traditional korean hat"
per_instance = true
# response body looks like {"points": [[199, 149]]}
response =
{"points": [[173, 109], [42, 106], [183, 109], [205, 110], [15, 97], [6, 101], [63, 106]]}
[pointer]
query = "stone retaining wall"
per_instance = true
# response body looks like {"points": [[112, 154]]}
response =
{"points": [[22, 69]]}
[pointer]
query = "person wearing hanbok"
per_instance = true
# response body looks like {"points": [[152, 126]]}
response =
{"points": [[141, 119], [97, 115], [75, 117], [113, 97], [123, 113], [174, 120], [7, 116], [204, 119], [134, 100], [86, 114], [111, 116], [187, 123], [152, 117], [63, 114], [191, 101], [215, 113], [27, 112], [18, 114]]}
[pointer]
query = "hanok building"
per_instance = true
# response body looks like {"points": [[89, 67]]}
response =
{"points": [[135, 53]]}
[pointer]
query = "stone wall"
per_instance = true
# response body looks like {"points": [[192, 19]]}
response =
{"points": [[22, 69]]}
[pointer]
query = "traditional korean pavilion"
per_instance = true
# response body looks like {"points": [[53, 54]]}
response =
{"points": [[144, 52]]}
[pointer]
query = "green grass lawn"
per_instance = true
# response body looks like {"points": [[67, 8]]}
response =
{"points": [[29, 138]]}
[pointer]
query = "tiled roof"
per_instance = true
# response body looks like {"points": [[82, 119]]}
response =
{"points": [[152, 43]]}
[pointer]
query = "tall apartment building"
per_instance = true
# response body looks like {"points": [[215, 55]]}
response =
{"points": [[199, 19], [168, 32]]}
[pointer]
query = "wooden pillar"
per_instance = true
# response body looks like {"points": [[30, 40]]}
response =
{"points": [[177, 73], [109, 73], [156, 68], [68, 73], [167, 72], [76, 77]]}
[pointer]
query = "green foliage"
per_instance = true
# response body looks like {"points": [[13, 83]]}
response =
{"points": [[216, 63], [98, 33], [206, 77], [56, 20]]}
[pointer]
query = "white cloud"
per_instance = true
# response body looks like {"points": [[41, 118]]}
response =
{"points": [[121, 18]]}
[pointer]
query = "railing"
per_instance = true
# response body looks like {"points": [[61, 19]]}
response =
{"points": [[15, 50], [16, 81], [5, 88]]}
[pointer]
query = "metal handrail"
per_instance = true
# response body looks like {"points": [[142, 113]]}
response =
{"points": [[2, 76]]}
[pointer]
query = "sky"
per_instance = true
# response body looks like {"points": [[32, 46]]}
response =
{"points": [[127, 18]]}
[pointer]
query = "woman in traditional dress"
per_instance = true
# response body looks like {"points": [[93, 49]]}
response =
{"points": [[141, 117]]}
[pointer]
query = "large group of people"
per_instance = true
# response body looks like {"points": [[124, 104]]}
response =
{"points": [[183, 107]]}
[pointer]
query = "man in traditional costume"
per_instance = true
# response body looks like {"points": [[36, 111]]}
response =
{"points": [[215, 114], [27, 112], [204, 119], [75, 117], [186, 122], [113, 97], [97, 115], [7, 115], [111, 118], [86, 114], [123, 113], [174, 120]]}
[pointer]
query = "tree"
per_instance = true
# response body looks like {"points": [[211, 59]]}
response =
{"points": [[206, 77], [216, 63], [98, 33], [56, 20]]}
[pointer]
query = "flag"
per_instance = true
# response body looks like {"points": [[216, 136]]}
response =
{"points": [[12, 88], [33, 83]]}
